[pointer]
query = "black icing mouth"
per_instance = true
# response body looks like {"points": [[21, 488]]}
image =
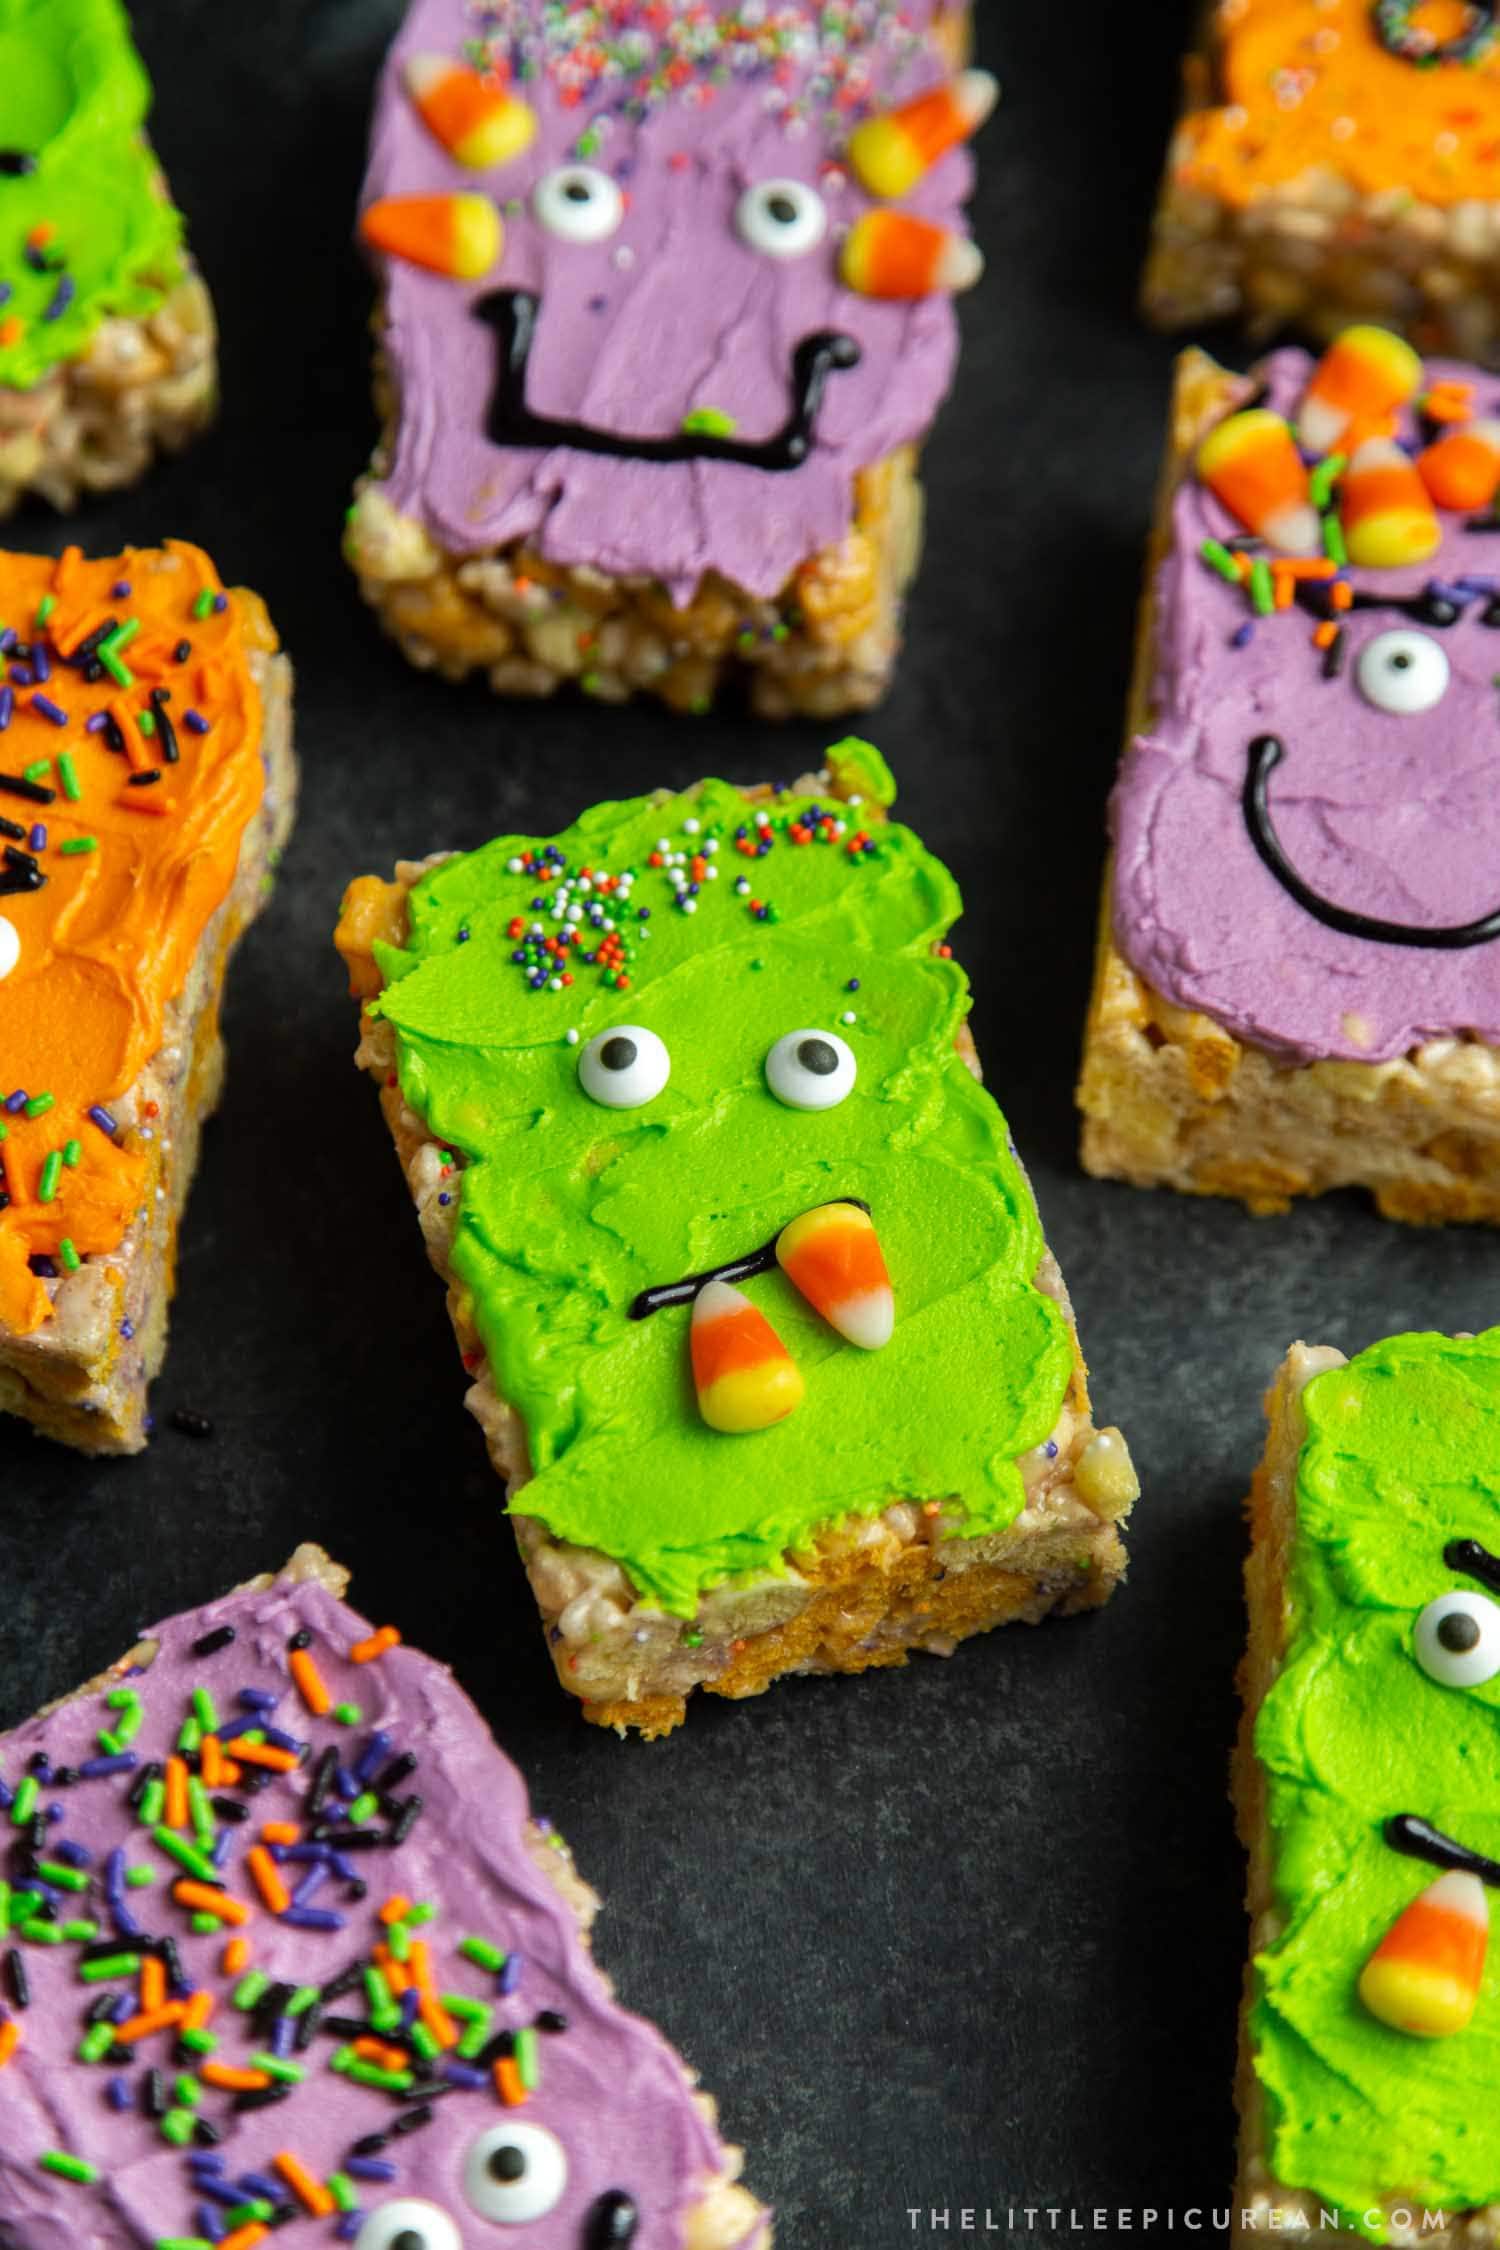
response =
{"points": [[512, 313], [1265, 755], [1409, 1833], [735, 1269]]}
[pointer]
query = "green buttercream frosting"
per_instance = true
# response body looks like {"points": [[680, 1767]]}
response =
{"points": [[568, 1210], [74, 96], [1402, 1457]]}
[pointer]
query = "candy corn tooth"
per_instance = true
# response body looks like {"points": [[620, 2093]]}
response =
{"points": [[744, 1376], [890, 153], [478, 123], [456, 235], [1385, 508], [1461, 469], [892, 254], [833, 1257], [1423, 1977], [1250, 462], [1364, 375]]}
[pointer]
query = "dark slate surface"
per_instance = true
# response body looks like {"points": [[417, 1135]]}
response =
{"points": [[963, 1936]]}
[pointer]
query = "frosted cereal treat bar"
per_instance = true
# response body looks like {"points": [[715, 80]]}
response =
{"points": [[285, 1946], [146, 785], [107, 347], [596, 465], [1367, 2054], [1298, 984], [765, 1337]]}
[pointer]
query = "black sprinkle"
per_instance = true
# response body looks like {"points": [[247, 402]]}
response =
{"points": [[182, 652], [551, 2019], [102, 2008], [411, 2120], [322, 1781], [345, 1981], [16, 163], [88, 647], [344, 2027], [211, 1643], [257, 1779], [144, 1779], [16, 785], [184, 1418], [261, 2097], [503, 2044], [356, 1890], [411, 1813], [395, 1773], [111, 732], [154, 2094], [348, 1839], [171, 1961], [371, 2145], [13, 829], [17, 1984], [230, 1809], [206, 2133], [39, 1764], [147, 779], [1333, 656], [309, 2024], [166, 734], [65, 1776], [300, 1640]]}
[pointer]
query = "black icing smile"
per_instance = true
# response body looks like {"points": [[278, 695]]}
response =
{"points": [[1265, 755], [1409, 1833], [736, 1269], [512, 313]]}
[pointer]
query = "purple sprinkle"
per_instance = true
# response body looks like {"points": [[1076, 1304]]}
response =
{"points": [[101, 1117], [43, 1268], [117, 2093], [221, 603], [344, 1867], [314, 1918], [222, 2191], [17, 1101], [5, 292], [41, 663], [280, 1741], [62, 297], [460, 2074], [96, 722], [1050, 1449], [256, 1699], [49, 710], [260, 2184], [210, 2223], [39, 838], [346, 1785], [410, 2002], [510, 1976], [127, 1330], [245, 1725], [121, 590], [8, 639], [282, 2036], [21, 675], [124, 2007], [7, 1797], [1243, 635], [98, 1769], [7, 705], [74, 1855], [195, 722], [368, 2168], [349, 2226], [309, 1887], [373, 1756]]}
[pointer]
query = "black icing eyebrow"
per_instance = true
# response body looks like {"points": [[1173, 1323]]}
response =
{"points": [[1434, 605], [1473, 1561]]}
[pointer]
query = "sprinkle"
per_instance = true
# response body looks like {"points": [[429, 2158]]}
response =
{"points": [[39, 1104], [267, 1879], [67, 1251], [365, 1652], [310, 1683], [50, 1173], [76, 846], [68, 2167], [67, 774], [49, 710]]}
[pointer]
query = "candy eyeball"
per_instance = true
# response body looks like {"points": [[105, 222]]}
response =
{"points": [[578, 202], [783, 218], [10, 946], [1457, 1640], [408, 2224], [1402, 672], [624, 1067], [514, 2173], [811, 1070]]}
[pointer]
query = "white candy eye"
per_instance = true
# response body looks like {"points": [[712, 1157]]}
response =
{"points": [[624, 1067], [1402, 671], [10, 945], [515, 2172], [579, 202], [784, 218], [810, 1070], [1457, 1640], [408, 2224]]}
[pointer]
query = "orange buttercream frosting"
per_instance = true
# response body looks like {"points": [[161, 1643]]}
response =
{"points": [[1310, 85], [131, 869]]}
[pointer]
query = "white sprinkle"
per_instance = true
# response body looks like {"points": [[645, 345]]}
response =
{"points": [[691, 827], [512, 867], [848, 1016], [571, 1036]]}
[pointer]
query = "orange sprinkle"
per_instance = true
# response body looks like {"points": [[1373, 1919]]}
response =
{"points": [[377, 2051], [1449, 402], [243, 2238], [281, 1832], [268, 1879], [137, 756], [148, 2021], [231, 2080], [398, 1976], [302, 2184], [438, 2021], [310, 1683], [266, 1754], [236, 1958], [146, 801], [1325, 634], [1341, 595], [12, 329], [419, 1962], [10, 2040], [153, 1984], [365, 1652], [67, 637], [203, 1899], [211, 1762], [508, 2082], [395, 1909], [175, 1810], [67, 563], [1302, 566], [198, 2010], [1283, 589], [41, 234]]}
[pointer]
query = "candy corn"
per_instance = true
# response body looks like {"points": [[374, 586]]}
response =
{"points": [[890, 153], [478, 123], [1461, 469], [892, 254], [1250, 462], [1364, 375], [1387, 516], [833, 1256], [744, 1376], [1423, 1977], [458, 235]]}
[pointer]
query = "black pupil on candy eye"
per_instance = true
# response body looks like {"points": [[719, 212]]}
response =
{"points": [[817, 1056], [782, 209], [1400, 663], [617, 1053], [578, 191], [508, 2163], [409, 2239], [1458, 1632]]}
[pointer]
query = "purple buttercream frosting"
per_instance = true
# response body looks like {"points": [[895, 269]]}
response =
{"points": [[1393, 816], [674, 314], [610, 2091]]}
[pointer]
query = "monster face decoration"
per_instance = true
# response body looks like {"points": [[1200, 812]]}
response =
{"points": [[729, 1199], [641, 259], [1306, 836]]}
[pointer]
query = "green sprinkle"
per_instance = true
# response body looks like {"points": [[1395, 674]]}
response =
{"points": [[1323, 479], [465, 2007], [204, 1710], [288, 2073], [140, 1878], [128, 1724], [1262, 595], [370, 2074], [122, 636], [68, 2167], [364, 1808], [67, 774], [190, 1738], [146, 721], [109, 1742], [483, 1955], [348, 1715], [245, 2214], [301, 2000], [73, 1157], [65, 1878], [153, 1797], [46, 1187], [38, 769], [709, 421], [25, 1804], [178, 2127], [384, 2013], [74, 847], [117, 1965], [188, 2091], [345, 2194], [528, 2057], [176, 1847], [205, 1827], [45, 607], [1218, 558], [341, 2059], [182, 2242], [398, 1938], [421, 2038], [203, 604], [4, 1908], [40, 1933], [423, 1911], [67, 1251], [23, 1905], [39, 1105], [80, 1933], [197, 2042], [96, 2042], [250, 1989], [118, 671], [1333, 541], [203, 1925]]}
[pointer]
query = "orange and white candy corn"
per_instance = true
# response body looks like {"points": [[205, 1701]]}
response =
{"points": [[457, 235], [478, 122], [893, 254], [1356, 387], [743, 1373], [1423, 1977], [1461, 469], [1250, 462], [890, 153], [832, 1256], [1385, 508]]}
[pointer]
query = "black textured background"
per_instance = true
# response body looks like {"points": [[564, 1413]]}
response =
{"points": [[967, 1935]]}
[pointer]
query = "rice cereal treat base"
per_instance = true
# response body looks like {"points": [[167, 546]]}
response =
{"points": [[1174, 1096], [101, 1147], [107, 342], [296, 1928], [1326, 169], [590, 470], [1369, 1515], [850, 1591]]}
